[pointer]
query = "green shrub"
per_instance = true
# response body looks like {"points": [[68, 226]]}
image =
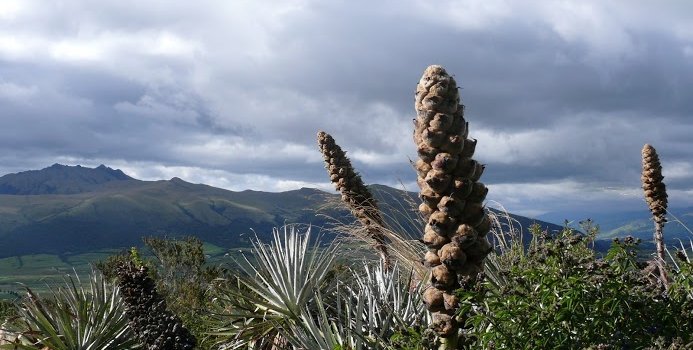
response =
{"points": [[179, 268], [560, 294]]}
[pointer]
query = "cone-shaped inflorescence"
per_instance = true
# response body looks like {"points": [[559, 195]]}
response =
{"points": [[452, 196], [154, 326], [655, 193], [354, 193]]}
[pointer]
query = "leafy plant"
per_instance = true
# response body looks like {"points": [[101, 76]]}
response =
{"points": [[560, 294], [370, 305], [74, 317], [392, 299], [183, 277], [179, 268], [270, 292]]}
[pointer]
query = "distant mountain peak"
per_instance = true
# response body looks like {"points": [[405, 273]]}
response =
{"points": [[60, 179]]}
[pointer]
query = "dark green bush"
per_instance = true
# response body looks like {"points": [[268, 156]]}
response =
{"points": [[560, 294], [182, 276]]}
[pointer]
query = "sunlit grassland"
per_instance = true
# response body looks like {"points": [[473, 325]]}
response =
{"points": [[40, 270]]}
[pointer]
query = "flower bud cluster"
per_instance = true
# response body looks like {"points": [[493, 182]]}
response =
{"points": [[354, 192], [452, 196]]}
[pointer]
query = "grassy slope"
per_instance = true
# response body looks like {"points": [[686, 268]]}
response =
{"points": [[55, 233], [120, 213]]}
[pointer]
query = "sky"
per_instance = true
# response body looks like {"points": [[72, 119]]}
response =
{"points": [[561, 95]]}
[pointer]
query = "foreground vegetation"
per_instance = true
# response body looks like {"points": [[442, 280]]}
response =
{"points": [[554, 292]]}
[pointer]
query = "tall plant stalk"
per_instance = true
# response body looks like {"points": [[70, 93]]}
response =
{"points": [[656, 197], [354, 193], [452, 197]]}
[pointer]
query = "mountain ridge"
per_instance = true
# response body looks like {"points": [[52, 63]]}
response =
{"points": [[109, 210], [60, 179], [637, 223]]}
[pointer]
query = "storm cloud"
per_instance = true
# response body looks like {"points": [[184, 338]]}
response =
{"points": [[560, 95]]}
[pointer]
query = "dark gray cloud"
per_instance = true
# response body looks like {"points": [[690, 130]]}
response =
{"points": [[561, 96]]}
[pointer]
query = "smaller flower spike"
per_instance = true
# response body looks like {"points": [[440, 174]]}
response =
{"points": [[655, 193], [354, 193]]}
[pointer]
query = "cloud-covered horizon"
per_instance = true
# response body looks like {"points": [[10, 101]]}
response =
{"points": [[561, 95]]}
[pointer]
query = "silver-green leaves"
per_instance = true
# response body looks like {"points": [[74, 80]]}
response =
{"points": [[74, 317]]}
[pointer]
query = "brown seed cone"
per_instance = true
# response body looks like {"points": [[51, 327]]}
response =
{"points": [[484, 226], [447, 176], [443, 278], [431, 259], [452, 256], [444, 324], [477, 251], [655, 194], [451, 301], [354, 192], [451, 206], [433, 298], [433, 239], [479, 191]]}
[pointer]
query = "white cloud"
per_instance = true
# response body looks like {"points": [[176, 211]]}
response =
{"points": [[217, 178], [162, 111], [595, 24], [11, 9], [576, 138], [466, 15], [14, 92], [230, 93], [535, 199], [229, 151], [677, 170]]}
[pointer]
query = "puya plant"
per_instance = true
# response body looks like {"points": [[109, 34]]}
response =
{"points": [[456, 222], [269, 291], [73, 317], [370, 307], [392, 240], [293, 294], [656, 198], [448, 176], [355, 194]]}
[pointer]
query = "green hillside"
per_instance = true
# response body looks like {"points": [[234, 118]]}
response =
{"points": [[118, 212]]}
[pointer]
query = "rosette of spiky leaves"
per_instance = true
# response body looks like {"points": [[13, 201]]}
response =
{"points": [[452, 197], [321, 328], [269, 290], [354, 193], [392, 297], [655, 193], [153, 325], [74, 317], [369, 306]]}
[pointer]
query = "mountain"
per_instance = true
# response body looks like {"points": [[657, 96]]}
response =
{"points": [[639, 224], [71, 209], [60, 179]]}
